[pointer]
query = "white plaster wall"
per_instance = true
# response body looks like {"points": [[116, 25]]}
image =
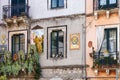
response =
{"points": [[2, 3], [41, 8], [74, 25], [0, 11]]}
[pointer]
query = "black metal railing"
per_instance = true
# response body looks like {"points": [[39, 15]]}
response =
{"points": [[103, 60], [97, 6], [17, 10]]}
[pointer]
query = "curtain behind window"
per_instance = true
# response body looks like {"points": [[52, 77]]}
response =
{"points": [[100, 37]]}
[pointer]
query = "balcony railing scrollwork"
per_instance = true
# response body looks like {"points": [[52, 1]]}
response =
{"points": [[103, 60], [18, 10], [105, 5]]}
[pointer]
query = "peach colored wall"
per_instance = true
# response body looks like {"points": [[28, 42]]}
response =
{"points": [[91, 25], [89, 6], [91, 36]]}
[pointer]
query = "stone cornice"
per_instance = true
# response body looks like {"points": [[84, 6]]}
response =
{"points": [[58, 17]]}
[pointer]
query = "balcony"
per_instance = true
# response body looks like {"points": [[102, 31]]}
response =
{"points": [[105, 5], [102, 60], [105, 8], [18, 11]]}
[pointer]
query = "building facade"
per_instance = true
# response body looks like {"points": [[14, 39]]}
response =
{"points": [[59, 22], [102, 48]]}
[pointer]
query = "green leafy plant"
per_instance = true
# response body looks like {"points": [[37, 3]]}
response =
{"points": [[3, 77], [14, 65], [37, 71], [37, 67]]}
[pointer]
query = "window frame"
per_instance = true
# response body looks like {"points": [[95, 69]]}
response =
{"points": [[108, 5], [101, 54], [107, 32], [11, 33], [57, 43], [58, 6], [49, 30], [19, 42], [17, 7]]}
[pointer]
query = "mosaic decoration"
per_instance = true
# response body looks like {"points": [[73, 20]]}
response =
{"points": [[75, 41]]}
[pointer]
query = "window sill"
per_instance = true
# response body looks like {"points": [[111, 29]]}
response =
{"points": [[57, 58], [104, 9], [62, 7]]}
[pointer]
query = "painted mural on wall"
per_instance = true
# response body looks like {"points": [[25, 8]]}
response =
{"points": [[37, 38]]}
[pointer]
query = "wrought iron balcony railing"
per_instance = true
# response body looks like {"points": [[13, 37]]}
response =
{"points": [[97, 5], [18, 10], [102, 60]]}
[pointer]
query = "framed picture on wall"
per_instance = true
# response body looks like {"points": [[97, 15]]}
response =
{"points": [[75, 41]]}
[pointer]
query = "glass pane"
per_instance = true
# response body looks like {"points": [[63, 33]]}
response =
{"points": [[61, 3], [22, 47], [16, 39], [16, 48], [61, 51], [61, 39], [22, 42], [54, 39], [14, 2], [22, 38], [53, 3], [54, 51], [61, 43], [109, 44], [21, 2], [103, 2], [112, 1], [18, 43], [112, 41], [53, 44]]}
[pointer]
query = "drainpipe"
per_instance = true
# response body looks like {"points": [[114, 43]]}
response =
{"points": [[117, 69], [84, 51], [116, 74], [85, 42]]}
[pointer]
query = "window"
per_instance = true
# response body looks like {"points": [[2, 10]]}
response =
{"points": [[18, 43], [110, 40], [57, 3], [108, 51], [18, 7], [104, 4], [57, 42]]}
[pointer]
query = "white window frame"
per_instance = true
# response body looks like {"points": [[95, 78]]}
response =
{"points": [[11, 33], [49, 5]]}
